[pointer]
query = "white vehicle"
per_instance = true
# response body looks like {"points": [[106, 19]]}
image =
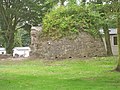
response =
{"points": [[21, 52], [2, 51]]}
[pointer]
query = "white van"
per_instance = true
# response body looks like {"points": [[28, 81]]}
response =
{"points": [[21, 52]]}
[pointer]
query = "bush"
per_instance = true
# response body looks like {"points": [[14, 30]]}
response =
{"points": [[66, 21]]}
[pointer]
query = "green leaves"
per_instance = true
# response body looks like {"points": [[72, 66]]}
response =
{"points": [[66, 21], [15, 12]]}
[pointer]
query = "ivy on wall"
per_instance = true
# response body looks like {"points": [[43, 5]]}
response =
{"points": [[70, 20]]}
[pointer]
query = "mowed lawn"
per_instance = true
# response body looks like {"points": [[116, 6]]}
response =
{"points": [[79, 74]]}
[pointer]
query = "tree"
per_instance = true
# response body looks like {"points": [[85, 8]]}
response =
{"points": [[114, 10], [117, 4], [105, 26], [98, 6], [118, 33], [15, 12], [107, 39]]}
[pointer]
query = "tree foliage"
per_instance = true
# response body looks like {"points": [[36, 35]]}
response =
{"points": [[66, 21], [112, 8], [14, 13]]}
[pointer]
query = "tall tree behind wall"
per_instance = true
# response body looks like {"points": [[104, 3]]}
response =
{"points": [[106, 31], [104, 18], [116, 5], [107, 39], [114, 9]]}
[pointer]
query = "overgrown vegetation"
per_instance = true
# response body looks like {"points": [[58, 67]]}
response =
{"points": [[91, 74], [69, 20]]}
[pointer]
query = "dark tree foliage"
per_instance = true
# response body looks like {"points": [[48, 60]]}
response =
{"points": [[15, 12]]}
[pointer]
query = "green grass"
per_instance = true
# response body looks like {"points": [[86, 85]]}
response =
{"points": [[91, 74]]}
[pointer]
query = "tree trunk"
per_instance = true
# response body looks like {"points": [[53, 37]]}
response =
{"points": [[10, 41], [118, 36], [107, 40]]}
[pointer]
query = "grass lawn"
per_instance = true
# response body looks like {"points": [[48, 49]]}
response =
{"points": [[91, 74]]}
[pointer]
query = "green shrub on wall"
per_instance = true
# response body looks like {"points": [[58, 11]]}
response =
{"points": [[66, 21]]}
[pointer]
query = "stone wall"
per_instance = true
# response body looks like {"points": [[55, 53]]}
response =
{"points": [[35, 31], [84, 45]]}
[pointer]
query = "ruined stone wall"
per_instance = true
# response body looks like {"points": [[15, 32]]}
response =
{"points": [[84, 45], [35, 31]]}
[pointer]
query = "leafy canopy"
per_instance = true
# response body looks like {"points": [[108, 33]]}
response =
{"points": [[69, 20]]}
